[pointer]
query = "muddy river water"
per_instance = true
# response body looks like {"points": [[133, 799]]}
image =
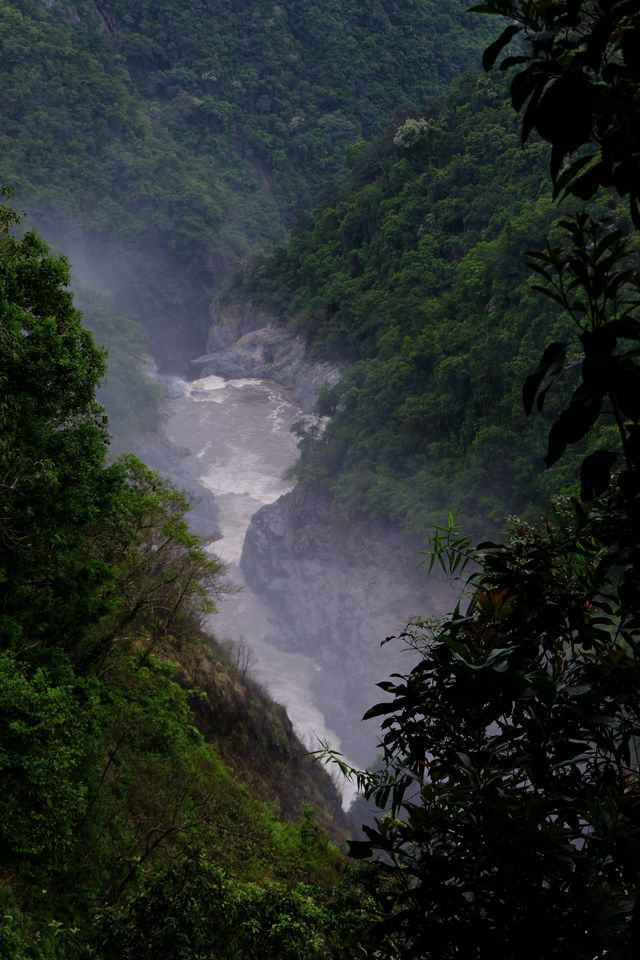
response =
{"points": [[232, 439]]}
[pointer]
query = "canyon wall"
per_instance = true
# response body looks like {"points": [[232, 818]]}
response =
{"points": [[334, 588], [245, 343]]}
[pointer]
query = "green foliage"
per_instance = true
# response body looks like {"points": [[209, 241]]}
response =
{"points": [[199, 911], [161, 574], [14, 934], [52, 444], [450, 547], [159, 143], [577, 81], [510, 760], [415, 273], [595, 284], [50, 722], [252, 84]]}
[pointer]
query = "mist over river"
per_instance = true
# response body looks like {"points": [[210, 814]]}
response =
{"points": [[231, 440]]}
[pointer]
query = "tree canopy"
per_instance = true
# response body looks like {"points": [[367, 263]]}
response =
{"points": [[414, 273]]}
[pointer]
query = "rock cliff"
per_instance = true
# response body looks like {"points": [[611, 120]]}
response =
{"points": [[245, 343], [335, 590]]}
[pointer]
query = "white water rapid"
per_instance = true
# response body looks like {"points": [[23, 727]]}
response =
{"points": [[235, 441]]}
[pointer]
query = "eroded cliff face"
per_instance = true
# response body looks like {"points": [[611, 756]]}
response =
{"points": [[335, 590], [244, 342]]}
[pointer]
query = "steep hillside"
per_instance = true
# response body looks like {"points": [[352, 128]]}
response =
{"points": [[415, 273], [159, 142]]}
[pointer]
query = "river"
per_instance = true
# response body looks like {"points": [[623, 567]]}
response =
{"points": [[231, 440]]}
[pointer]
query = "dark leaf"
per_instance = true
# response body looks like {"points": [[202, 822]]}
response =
{"points": [[570, 172], [380, 709], [542, 396], [631, 46], [626, 390], [599, 373], [549, 293], [634, 196], [573, 424], [512, 62], [565, 117], [492, 51], [550, 364], [529, 117], [522, 86], [595, 473], [558, 154], [587, 184], [360, 849]]}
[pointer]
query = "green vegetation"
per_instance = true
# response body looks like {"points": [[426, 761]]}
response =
{"points": [[252, 84], [157, 143], [123, 832], [145, 779], [511, 764], [414, 272]]}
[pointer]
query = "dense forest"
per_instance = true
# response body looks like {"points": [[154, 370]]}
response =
{"points": [[155, 802], [158, 143], [415, 273]]}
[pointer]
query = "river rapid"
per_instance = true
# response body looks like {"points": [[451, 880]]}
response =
{"points": [[228, 444]]}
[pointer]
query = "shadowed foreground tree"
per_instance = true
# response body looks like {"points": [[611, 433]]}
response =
{"points": [[510, 759], [577, 83]]}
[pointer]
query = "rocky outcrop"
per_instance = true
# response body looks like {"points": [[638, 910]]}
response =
{"points": [[245, 343], [335, 590]]}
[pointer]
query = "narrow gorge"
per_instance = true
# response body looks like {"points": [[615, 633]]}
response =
{"points": [[313, 594]]}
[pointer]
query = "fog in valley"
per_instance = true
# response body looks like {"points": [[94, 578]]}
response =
{"points": [[312, 597], [311, 632]]}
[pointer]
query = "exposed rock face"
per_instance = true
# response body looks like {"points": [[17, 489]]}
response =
{"points": [[336, 590], [245, 343]]}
